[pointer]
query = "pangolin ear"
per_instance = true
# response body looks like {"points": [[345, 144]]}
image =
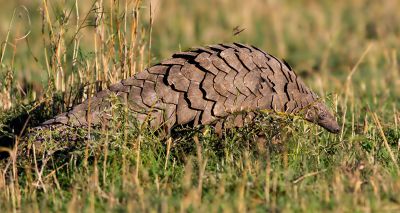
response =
{"points": [[308, 114]]}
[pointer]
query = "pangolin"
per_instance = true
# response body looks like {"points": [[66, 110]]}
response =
{"points": [[204, 85]]}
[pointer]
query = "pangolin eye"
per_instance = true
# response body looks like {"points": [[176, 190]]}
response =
{"points": [[322, 115]]}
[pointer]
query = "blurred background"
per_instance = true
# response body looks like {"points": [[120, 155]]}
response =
{"points": [[64, 45], [55, 53]]}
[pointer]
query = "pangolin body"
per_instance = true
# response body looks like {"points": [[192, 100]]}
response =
{"points": [[204, 85]]}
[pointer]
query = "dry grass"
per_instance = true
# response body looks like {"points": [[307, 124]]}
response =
{"points": [[56, 53]]}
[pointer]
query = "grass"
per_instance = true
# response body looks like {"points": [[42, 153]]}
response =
{"points": [[56, 53]]}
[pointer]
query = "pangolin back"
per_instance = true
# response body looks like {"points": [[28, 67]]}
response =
{"points": [[201, 86]]}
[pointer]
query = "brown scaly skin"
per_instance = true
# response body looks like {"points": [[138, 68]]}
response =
{"points": [[204, 86]]}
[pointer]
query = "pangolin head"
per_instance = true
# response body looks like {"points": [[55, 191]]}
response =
{"points": [[318, 113]]}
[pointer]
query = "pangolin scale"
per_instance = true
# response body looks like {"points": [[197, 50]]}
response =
{"points": [[204, 85]]}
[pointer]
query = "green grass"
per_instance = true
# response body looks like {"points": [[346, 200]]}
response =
{"points": [[52, 57]]}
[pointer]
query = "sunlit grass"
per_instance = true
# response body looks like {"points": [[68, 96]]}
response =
{"points": [[56, 53]]}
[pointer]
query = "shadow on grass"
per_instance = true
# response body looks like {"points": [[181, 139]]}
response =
{"points": [[16, 121]]}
